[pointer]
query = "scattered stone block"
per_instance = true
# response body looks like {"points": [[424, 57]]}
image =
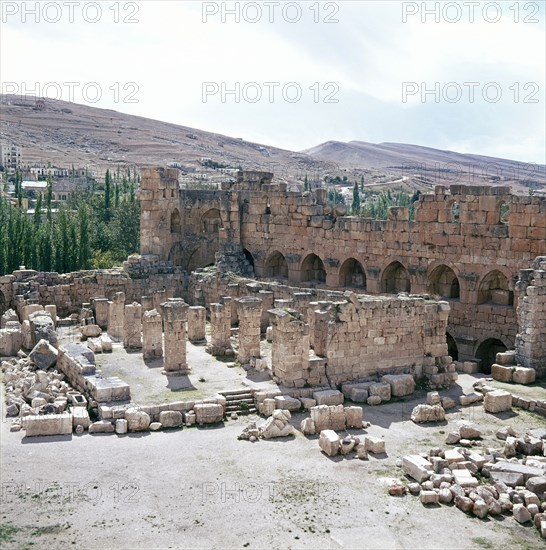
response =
{"points": [[80, 417], [382, 390], [400, 385], [417, 467], [427, 413], [433, 398], [537, 484], [468, 431], [361, 451], [448, 403], [429, 497], [521, 513], [155, 426], [465, 479], [44, 355], [353, 417], [101, 427], [374, 445], [373, 400], [329, 442], [470, 399], [451, 455], [285, 402], [328, 397], [497, 401], [48, 424], [137, 421], [358, 395], [307, 426], [308, 403], [121, 426], [502, 373], [90, 331], [524, 375], [208, 413], [170, 419]]}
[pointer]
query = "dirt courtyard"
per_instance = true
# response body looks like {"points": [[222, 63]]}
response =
{"points": [[202, 488]]}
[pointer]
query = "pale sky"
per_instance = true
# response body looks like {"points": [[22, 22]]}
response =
{"points": [[466, 76]]}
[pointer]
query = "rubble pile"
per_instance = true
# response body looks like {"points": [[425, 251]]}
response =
{"points": [[277, 425], [331, 444], [485, 482]]}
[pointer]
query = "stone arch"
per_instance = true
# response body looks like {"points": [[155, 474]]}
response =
{"points": [[487, 351], [312, 269], [495, 289], [452, 348], [395, 278], [112, 291], [351, 274], [276, 266], [176, 221], [444, 282], [249, 257], [211, 222]]}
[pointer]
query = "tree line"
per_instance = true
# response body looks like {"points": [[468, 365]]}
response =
{"points": [[91, 231]]}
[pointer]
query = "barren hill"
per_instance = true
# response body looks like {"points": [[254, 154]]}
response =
{"points": [[67, 134]]}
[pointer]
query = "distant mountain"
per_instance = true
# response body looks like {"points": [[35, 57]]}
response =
{"points": [[67, 134], [432, 165]]}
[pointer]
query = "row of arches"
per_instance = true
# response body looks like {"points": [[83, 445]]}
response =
{"points": [[494, 288], [485, 351]]}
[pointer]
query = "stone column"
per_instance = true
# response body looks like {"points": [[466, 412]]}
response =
{"points": [[147, 304], [174, 313], [116, 314], [220, 328], [196, 323], [267, 303], [320, 333], [249, 311], [133, 326], [152, 335], [100, 307], [159, 296], [313, 306], [290, 347]]}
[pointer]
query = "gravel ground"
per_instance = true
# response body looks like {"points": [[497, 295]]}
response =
{"points": [[202, 488]]}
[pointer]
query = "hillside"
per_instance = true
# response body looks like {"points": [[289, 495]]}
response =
{"points": [[67, 134]]}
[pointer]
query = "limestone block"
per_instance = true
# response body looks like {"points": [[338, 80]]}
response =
{"points": [[121, 426], [95, 345], [101, 426], [155, 426], [382, 390], [329, 442], [90, 331], [267, 406], [433, 398], [417, 467], [288, 403], [497, 401], [80, 417], [328, 397], [137, 420], [428, 413], [353, 417], [467, 431], [49, 424], [307, 426], [451, 455], [506, 358], [106, 343], [328, 417], [358, 395], [448, 403], [401, 384], [8, 316], [470, 398], [44, 355], [429, 497], [537, 485], [11, 339], [521, 513], [524, 375], [42, 327], [374, 445], [208, 413], [170, 419], [480, 509], [464, 478], [471, 367], [502, 373], [373, 400], [308, 403]]}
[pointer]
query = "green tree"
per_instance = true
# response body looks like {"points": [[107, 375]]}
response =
{"points": [[84, 248], [49, 196], [356, 199], [107, 183]]}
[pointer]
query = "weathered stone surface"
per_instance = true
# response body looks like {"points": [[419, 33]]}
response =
{"points": [[401, 384], [429, 497], [121, 426], [80, 417], [433, 398], [373, 400], [277, 425], [417, 467], [328, 397], [353, 417], [358, 395], [521, 513], [374, 445], [208, 413], [328, 417], [137, 421], [502, 373], [101, 426], [428, 413], [537, 484], [382, 390], [170, 419], [287, 403], [524, 375], [44, 355], [464, 503], [49, 424], [329, 442], [470, 398], [467, 431], [464, 478], [497, 401], [480, 509], [90, 331], [307, 426]]}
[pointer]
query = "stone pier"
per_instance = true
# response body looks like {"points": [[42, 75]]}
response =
{"points": [[100, 307], [116, 315], [174, 313], [147, 304], [220, 328], [267, 303], [196, 324], [249, 311], [290, 347], [531, 339], [132, 338], [152, 335]]}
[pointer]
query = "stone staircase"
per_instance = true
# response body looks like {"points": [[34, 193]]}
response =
{"points": [[239, 401]]}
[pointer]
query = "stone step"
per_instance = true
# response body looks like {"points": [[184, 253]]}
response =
{"points": [[243, 396], [230, 393]]}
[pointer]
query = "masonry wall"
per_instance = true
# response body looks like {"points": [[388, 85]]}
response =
{"points": [[462, 247]]}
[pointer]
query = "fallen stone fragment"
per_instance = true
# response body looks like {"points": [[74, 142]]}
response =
{"points": [[417, 467], [497, 401], [521, 514], [429, 497], [329, 442]]}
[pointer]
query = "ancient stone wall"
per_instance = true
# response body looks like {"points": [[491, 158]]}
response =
{"points": [[466, 245], [531, 339]]}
